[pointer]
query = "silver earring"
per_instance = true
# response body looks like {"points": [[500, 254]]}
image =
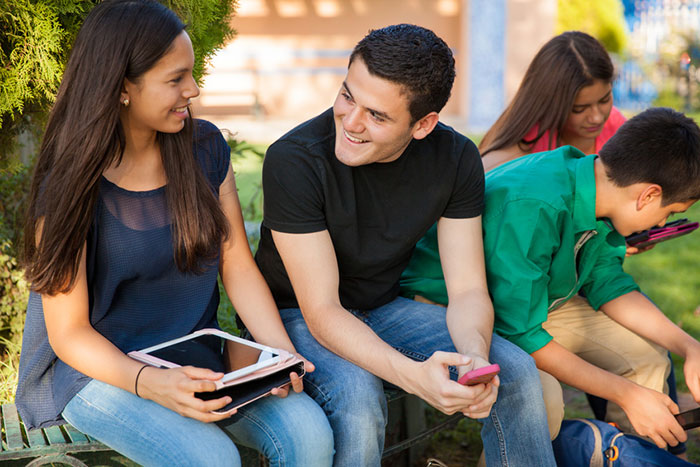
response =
{"points": [[126, 102]]}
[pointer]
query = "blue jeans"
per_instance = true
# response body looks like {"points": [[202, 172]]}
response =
{"points": [[515, 433], [290, 432]]}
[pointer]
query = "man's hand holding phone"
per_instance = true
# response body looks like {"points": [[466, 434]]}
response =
{"points": [[431, 381], [481, 375]]}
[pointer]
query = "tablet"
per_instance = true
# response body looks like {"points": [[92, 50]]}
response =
{"points": [[654, 235], [213, 349], [689, 419]]}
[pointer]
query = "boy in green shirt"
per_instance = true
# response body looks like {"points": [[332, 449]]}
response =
{"points": [[554, 226]]}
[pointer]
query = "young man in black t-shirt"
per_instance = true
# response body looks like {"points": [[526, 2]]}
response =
{"points": [[347, 196]]}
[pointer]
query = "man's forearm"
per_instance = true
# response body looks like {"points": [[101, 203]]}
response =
{"points": [[339, 331], [470, 322]]}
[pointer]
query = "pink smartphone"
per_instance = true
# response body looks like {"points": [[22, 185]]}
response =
{"points": [[480, 375]]}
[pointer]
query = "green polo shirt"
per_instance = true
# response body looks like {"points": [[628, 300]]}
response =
{"points": [[542, 244]]}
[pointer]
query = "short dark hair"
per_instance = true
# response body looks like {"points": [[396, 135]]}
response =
{"points": [[659, 146], [416, 59]]}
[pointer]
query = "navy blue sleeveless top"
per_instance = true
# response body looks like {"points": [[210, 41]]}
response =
{"points": [[137, 295]]}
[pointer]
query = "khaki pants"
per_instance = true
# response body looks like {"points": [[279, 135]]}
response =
{"points": [[599, 340]]}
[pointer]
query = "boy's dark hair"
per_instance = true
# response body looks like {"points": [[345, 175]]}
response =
{"points": [[416, 59], [659, 146]]}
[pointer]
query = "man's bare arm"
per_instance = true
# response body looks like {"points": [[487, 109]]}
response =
{"points": [[312, 267], [469, 312]]}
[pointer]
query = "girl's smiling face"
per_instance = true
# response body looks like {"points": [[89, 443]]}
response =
{"points": [[159, 99]]}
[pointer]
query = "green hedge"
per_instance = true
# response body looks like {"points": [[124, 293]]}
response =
{"points": [[14, 290], [14, 186]]}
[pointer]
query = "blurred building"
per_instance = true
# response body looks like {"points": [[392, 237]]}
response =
{"points": [[290, 56], [663, 45]]}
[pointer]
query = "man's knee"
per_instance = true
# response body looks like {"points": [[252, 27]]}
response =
{"points": [[653, 370], [358, 399], [517, 366]]}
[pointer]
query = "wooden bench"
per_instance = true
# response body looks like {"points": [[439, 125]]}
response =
{"points": [[57, 444], [406, 430], [50, 445]]}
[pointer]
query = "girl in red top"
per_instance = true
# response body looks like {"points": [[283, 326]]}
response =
{"points": [[565, 98]]}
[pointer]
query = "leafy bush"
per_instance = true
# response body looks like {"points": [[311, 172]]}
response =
{"points": [[14, 183], [602, 19], [249, 185], [14, 292], [9, 366], [33, 51]]}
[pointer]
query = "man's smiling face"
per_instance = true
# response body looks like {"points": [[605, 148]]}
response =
{"points": [[372, 120]]}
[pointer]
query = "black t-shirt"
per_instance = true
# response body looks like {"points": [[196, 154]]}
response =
{"points": [[374, 213]]}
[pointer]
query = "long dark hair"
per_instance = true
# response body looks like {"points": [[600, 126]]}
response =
{"points": [[119, 39], [564, 65]]}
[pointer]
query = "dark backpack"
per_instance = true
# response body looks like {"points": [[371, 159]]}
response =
{"points": [[594, 443]]}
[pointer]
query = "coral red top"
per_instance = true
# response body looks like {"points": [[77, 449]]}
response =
{"points": [[614, 121]]}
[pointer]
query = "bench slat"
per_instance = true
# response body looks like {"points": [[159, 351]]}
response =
{"points": [[13, 432], [36, 438], [75, 436], [55, 435]]}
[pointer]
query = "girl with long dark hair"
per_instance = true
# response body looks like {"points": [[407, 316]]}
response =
{"points": [[133, 213], [565, 98]]}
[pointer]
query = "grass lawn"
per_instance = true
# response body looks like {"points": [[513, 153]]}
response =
{"points": [[247, 165], [668, 274]]}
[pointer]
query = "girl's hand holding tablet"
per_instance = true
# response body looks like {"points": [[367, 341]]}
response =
{"points": [[175, 389]]}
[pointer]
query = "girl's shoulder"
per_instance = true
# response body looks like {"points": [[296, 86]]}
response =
{"points": [[211, 150], [206, 132]]}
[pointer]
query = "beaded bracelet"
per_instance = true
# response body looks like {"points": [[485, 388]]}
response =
{"points": [[136, 382]]}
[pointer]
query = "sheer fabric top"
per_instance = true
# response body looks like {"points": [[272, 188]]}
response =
{"points": [[137, 295]]}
